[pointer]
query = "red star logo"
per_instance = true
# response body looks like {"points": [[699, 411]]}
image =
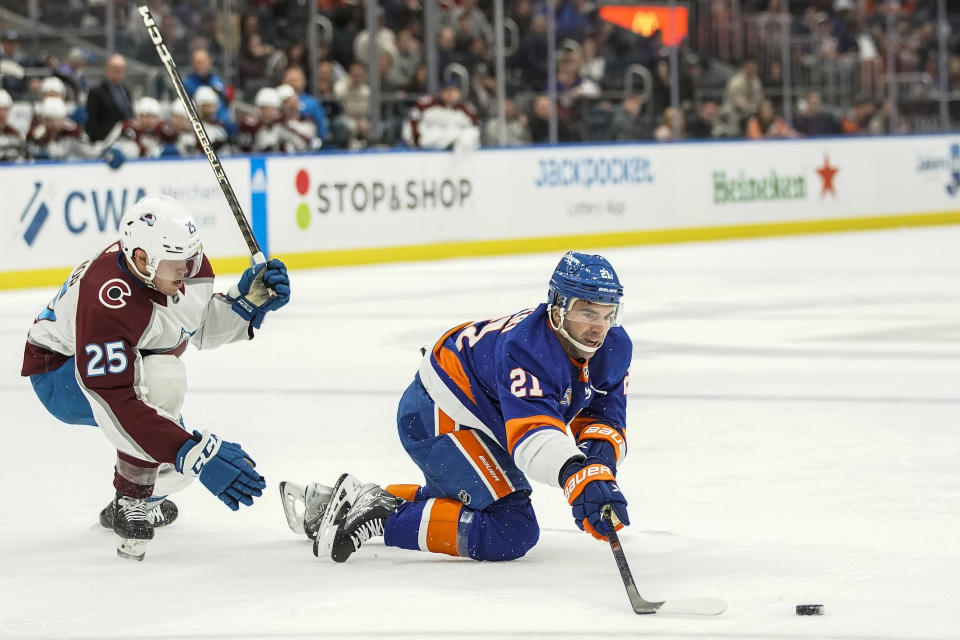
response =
{"points": [[827, 174]]}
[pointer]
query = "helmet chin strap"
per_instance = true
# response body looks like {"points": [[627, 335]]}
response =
{"points": [[566, 335], [147, 280]]}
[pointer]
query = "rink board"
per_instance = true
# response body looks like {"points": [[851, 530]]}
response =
{"points": [[355, 208]]}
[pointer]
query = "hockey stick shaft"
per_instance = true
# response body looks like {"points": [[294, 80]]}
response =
{"points": [[682, 606], [157, 39]]}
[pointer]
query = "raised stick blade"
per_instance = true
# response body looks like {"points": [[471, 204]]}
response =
{"points": [[694, 606]]}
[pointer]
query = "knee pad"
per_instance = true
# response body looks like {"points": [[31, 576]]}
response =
{"points": [[165, 378], [505, 530]]}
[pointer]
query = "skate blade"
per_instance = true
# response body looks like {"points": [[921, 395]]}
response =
{"points": [[130, 549], [293, 498]]}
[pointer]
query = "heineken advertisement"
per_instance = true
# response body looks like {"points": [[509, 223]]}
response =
{"points": [[767, 188]]}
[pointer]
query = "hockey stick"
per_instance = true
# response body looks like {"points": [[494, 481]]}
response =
{"points": [[683, 606], [171, 67]]}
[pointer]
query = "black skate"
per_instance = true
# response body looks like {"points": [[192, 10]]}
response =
{"points": [[160, 515], [365, 516], [305, 507], [132, 526]]}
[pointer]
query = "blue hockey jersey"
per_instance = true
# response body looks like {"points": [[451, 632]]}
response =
{"points": [[511, 379]]}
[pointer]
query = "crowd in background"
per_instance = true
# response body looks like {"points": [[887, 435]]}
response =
{"points": [[719, 97]]}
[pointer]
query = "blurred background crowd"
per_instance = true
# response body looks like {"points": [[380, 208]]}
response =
{"points": [[81, 79]]}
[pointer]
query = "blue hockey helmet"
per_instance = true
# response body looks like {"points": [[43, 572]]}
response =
{"points": [[584, 276]]}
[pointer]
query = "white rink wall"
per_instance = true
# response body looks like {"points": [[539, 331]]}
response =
{"points": [[354, 208]]}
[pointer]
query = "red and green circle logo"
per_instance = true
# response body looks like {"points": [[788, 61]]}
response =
{"points": [[302, 183]]}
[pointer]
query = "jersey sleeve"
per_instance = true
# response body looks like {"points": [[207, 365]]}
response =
{"points": [[221, 324], [536, 435], [600, 428], [110, 323]]}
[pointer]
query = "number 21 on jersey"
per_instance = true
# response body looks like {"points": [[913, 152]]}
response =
{"points": [[523, 384]]}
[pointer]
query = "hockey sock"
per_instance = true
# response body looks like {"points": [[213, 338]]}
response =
{"points": [[505, 530], [434, 525], [408, 492]]}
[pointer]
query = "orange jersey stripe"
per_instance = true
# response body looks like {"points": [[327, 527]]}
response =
{"points": [[442, 527], [404, 491], [445, 423], [452, 366], [486, 465], [517, 427]]}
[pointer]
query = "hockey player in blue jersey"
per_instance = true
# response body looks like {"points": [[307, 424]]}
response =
{"points": [[488, 411]]}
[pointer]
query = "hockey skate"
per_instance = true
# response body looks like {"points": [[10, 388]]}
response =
{"points": [[132, 526], [160, 512], [306, 506], [364, 514]]}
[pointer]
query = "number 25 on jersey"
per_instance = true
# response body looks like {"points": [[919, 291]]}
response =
{"points": [[523, 384]]}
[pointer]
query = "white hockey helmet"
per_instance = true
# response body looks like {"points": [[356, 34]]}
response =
{"points": [[53, 107], [285, 91], [267, 97], [6, 101], [53, 84], [166, 231], [205, 95], [147, 106]]}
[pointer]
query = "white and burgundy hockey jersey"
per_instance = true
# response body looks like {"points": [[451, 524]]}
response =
{"points": [[12, 144], [431, 125], [109, 320]]}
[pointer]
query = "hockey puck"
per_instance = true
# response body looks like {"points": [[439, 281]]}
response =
{"points": [[809, 609]]}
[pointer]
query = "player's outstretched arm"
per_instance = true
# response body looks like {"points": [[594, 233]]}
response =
{"points": [[223, 467], [251, 296], [588, 485]]}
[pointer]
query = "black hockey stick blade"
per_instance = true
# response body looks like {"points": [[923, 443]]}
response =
{"points": [[679, 606]]}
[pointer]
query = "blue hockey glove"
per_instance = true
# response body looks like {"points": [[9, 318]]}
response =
{"points": [[589, 485], [223, 468], [114, 157], [252, 296]]}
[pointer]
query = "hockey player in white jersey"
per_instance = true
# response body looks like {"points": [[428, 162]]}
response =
{"points": [[106, 352]]}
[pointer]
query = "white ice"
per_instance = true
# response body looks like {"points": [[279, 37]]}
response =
{"points": [[794, 430]]}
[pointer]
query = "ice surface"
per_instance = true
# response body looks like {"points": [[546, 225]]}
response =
{"points": [[794, 430]]}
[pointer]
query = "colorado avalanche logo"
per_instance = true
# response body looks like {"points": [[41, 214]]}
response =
{"points": [[114, 292], [191, 228], [149, 218]]}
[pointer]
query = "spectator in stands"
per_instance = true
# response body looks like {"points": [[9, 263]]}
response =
{"points": [[530, 58], [629, 122], [515, 131], [309, 106], [813, 120], [539, 122], [208, 108], [57, 137], [305, 128], [405, 62], [10, 47], [479, 26], [443, 122], [202, 75], [73, 73], [353, 94], [109, 102], [744, 90], [386, 40], [857, 119], [703, 124], [594, 65], [670, 128], [252, 62], [767, 123], [11, 140]]}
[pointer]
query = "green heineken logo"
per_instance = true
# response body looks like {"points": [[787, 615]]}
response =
{"points": [[767, 188]]}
